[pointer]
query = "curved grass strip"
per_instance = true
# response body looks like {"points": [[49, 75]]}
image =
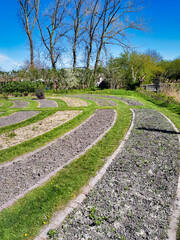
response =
{"points": [[17, 117], [73, 102], [6, 105], [20, 135], [30, 213], [15, 151]]}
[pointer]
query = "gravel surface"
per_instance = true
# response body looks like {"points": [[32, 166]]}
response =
{"points": [[99, 101], [132, 201], [73, 102], [17, 117], [20, 175], [19, 104], [33, 130], [46, 103], [129, 101]]}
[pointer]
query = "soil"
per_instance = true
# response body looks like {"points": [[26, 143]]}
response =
{"points": [[17, 117], [73, 102], [31, 131], [19, 104], [128, 101], [133, 199], [18, 176], [46, 103]]}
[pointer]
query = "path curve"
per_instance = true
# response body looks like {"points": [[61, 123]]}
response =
{"points": [[28, 172]]}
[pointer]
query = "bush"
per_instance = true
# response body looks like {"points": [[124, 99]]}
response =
{"points": [[21, 87], [40, 92]]}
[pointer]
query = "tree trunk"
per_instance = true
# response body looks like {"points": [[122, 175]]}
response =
{"points": [[97, 60], [74, 56], [31, 52], [89, 55]]}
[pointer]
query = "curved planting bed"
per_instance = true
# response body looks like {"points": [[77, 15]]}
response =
{"points": [[73, 102], [17, 117], [31, 131], [99, 101], [128, 101], [133, 199], [46, 103], [19, 104], [22, 175]]}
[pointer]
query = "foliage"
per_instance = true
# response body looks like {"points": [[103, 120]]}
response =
{"points": [[40, 92], [21, 87], [161, 100]]}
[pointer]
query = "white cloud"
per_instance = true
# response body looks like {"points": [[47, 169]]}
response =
{"points": [[8, 64]]}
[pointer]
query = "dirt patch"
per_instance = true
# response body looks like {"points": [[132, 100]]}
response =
{"points": [[17, 117], [23, 134], [46, 103], [73, 102], [19, 104]]}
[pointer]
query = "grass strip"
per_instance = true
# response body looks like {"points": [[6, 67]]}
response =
{"points": [[29, 214]]}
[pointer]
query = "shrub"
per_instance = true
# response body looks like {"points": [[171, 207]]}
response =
{"points": [[40, 92]]}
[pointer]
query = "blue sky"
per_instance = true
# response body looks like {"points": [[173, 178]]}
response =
{"points": [[162, 17]]}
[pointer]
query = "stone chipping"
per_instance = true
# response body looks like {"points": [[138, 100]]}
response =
{"points": [[17, 117], [18, 176], [19, 104], [46, 103], [133, 199]]}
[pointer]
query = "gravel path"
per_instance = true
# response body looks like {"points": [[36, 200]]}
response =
{"points": [[18, 176], [33, 130], [132, 201], [73, 102], [46, 103], [17, 117], [99, 101], [19, 104], [128, 101]]}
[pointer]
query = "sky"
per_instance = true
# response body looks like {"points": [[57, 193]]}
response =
{"points": [[163, 35]]}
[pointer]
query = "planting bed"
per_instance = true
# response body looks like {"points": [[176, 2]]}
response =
{"points": [[73, 102], [128, 101], [17, 117], [26, 171], [19, 104], [23, 134], [46, 103], [99, 101], [133, 199]]}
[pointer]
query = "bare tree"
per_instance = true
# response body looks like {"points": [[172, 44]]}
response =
{"points": [[28, 17], [93, 20], [56, 28], [77, 27], [116, 21]]}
